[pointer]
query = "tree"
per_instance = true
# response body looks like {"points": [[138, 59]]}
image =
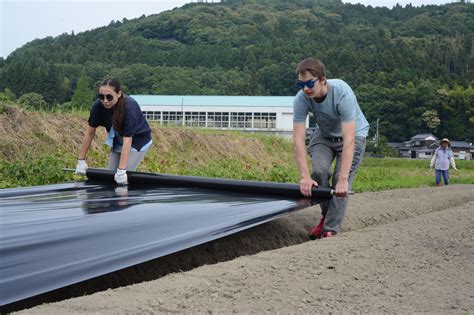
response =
{"points": [[4, 98], [83, 95], [396, 59], [430, 117], [9, 93], [381, 148], [51, 84]]}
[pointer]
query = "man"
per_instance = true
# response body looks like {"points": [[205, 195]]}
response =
{"points": [[342, 129]]}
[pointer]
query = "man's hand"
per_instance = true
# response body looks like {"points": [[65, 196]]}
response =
{"points": [[81, 167], [342, 188], [121, 177], [306, 185]]}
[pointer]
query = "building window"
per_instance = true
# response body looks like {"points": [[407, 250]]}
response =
{"points": [[195, 119], [240, 120], [152, 116], [217, 120], [264, 120], [157, 116], [173, 118], [214, 119]]}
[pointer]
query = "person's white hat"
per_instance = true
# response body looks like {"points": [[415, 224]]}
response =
{"points": [[445, 140]]}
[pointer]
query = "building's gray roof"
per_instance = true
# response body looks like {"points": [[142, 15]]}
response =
{"points": [[213, 100], [459, 144], [423, 136]]}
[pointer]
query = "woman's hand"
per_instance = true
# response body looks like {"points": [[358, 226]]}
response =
{"points": [[121, 177], [81, 167]]}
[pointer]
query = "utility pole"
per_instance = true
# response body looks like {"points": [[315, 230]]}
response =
{"points": [[377, 134]]}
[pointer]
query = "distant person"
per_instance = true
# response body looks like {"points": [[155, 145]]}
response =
{"points": [[341, 134], [442, 156], [129, 134]]}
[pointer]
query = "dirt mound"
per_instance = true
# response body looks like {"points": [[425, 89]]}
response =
{"points": [[410, 250]]}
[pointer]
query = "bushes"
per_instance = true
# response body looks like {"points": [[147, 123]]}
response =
{"points": [[32, 171], [33, 101]]}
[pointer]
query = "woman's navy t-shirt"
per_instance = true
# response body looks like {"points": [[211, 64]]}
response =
{"points": [[134, 124]]}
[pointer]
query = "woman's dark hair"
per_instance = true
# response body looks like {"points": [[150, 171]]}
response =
{"points": [[119, 108]]}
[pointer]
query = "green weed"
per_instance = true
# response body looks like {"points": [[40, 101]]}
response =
{"points": [[33, 171]]}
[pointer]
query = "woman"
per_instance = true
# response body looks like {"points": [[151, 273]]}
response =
{"points": [[441, 159], [129, 133]]}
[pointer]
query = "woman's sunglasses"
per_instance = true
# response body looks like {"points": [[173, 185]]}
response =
{"points": [[109, 97], [310, 84]]}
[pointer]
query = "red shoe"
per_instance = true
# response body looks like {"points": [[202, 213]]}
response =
{"points": [[328, 234], [316, 231]]}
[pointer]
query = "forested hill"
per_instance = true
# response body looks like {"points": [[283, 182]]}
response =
{"points": [[411, 67]]}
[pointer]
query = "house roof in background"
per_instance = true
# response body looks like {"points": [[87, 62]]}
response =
{"points": [[424, 136], [213, 100], [460, 144], [408, 145]]}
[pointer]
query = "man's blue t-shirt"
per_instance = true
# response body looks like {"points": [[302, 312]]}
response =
{"points": [[339, 105], [134, 124]]}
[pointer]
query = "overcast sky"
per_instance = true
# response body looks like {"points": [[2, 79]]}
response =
{"points": [[25, 20]]}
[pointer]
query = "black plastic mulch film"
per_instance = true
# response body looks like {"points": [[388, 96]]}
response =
{"points": [[56, 235]]}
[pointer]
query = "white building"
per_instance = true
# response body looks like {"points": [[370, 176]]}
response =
{"points": [[248, 113]]}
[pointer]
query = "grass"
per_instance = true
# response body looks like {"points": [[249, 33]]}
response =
{"points": [[374, 175], [390, 173], [37, 146]]}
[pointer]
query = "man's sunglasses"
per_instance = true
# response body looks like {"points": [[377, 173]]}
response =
{"points": [[109, 97], [310, 84]]}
